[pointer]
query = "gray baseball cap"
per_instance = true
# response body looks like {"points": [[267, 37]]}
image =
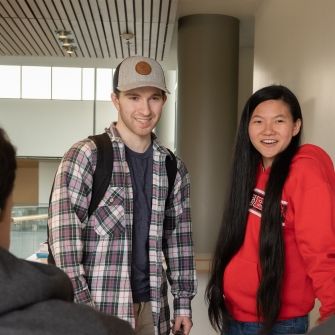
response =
{"points": [[136, 71]]}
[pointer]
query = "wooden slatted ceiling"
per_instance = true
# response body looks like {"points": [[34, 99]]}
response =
{"points": [[27, 27]]}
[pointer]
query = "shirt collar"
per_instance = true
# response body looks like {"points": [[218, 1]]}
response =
{"points": [[115, 136]]}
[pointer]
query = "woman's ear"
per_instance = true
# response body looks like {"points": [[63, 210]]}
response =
{"points": [[297, 126]]}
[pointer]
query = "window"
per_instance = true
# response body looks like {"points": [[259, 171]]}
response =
{"points": [[88, 84], [66, 83], [104, 84], [61, 83], [10, 81], [36, 82]]}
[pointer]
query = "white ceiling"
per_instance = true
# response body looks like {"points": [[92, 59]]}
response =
{"points": [[27, 27]]}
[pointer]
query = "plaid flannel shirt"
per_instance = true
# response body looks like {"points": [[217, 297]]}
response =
{"points": [[95, 251]]}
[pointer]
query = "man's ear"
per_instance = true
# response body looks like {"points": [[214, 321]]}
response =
{"points": [[115, 101], [5, 222]]}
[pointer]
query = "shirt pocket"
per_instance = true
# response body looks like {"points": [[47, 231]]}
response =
{"points": [[109, 217]]}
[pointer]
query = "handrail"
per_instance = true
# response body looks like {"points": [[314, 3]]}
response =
{"points": [[19, 219]]}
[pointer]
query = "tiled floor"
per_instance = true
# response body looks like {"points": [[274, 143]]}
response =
{"points": [[201, 325]]}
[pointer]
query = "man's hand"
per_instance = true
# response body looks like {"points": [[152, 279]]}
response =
{"points": [[182, 325]]}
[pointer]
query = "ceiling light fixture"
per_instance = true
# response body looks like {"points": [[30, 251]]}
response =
{"points": [[127, 36], [70, 49], [66, 40], [62, 34]]}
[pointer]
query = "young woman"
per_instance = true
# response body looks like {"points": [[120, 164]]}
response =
{"points": [[276, 249]]}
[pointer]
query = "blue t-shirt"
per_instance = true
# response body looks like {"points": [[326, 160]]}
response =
{"points": [[140, 166]]}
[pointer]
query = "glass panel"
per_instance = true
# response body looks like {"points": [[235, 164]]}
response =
{"points": [[10, 81], [28, 230], [36, 82], [66, 83], [104, 84], [88, 84]]}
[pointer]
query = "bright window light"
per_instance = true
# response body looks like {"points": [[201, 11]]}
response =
{"points": [[104, 84], [88, 84], [66, 83], [10, 81], [36, 82]]}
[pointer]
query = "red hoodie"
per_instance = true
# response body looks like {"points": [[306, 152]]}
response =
{"points": [[308, 202]]}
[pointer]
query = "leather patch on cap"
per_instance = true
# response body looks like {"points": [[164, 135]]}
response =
{"points": [[143, 68]]}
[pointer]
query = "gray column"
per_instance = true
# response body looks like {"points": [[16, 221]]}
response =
{"points": [[207, 115]]}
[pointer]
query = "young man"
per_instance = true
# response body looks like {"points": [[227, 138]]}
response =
{"points": [[38, 298], [114, 257]]}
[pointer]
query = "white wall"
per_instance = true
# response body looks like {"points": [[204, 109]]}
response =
{"points": [[47, 128], [245, 77], [294, 46], [46, 174], [106, 113]]}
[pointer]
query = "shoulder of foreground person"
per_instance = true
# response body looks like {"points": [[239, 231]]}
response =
{"points": [[23, 283], [38, 299], [54, 317]]}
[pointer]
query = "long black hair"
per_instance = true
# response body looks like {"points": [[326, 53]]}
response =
{"points": [[271, 248], [7, 168]]}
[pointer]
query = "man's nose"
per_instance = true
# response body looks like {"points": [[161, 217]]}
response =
{"points": [[145, 107]]}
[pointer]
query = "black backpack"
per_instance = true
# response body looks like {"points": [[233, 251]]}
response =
{"points": [[103, 173]]}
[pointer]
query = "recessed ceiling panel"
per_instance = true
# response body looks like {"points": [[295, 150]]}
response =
{"points": [[99, 28]]}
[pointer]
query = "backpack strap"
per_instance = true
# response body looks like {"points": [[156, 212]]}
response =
{"points": [[101, 177], [51, 259], [103, 171], [171, 170]]}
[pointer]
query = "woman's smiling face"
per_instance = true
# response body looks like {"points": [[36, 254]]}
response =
{"points": [[271, 129]]}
